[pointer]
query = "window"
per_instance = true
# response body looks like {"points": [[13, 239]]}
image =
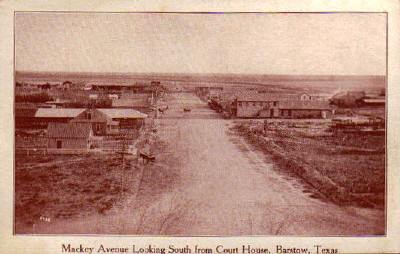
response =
{"points": [[89, 115], [59, 144], [275, 103]]}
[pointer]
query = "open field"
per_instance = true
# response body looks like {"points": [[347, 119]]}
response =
{"points": [[344, 168], [65, 186]]}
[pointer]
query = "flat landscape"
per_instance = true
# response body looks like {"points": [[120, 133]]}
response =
{"points": [[208, 179]]}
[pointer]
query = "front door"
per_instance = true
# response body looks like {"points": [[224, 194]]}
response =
{"points": [[59, 144]]}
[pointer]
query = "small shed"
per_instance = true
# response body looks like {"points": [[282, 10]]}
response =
{"points": [[69, 136]]}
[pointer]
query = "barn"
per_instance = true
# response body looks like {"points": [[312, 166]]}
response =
{"points": [[75, 137]]}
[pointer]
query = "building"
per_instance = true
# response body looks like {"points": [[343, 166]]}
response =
{"points": [[75, 137], [44, 116], [126, 118], [58, 103], [138, 101], [103, 121], [281, 106], [372, 102], [100, 122], [305, 109], [249, 105]]}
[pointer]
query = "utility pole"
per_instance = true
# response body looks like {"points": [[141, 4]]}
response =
{"points": [[123, 152]]}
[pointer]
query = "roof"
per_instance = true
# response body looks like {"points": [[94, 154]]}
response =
{"points": [[297, 104], [122, 113], [59, 112], [266, 97], [74, 112], [376, 100], [140, 102], [68, 130]]}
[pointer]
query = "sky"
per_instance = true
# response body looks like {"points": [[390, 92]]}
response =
{"points": [[297, 44]]}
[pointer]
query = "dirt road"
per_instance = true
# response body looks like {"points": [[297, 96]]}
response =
{"points": [[225, 188], [229, 189]]}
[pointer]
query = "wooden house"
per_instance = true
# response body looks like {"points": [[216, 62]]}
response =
{"points": [[73, 137], [100, 122], [281, 106], [103, 120], [44, 116]]}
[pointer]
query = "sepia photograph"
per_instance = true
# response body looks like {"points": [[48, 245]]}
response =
{"points": [[200, 123]]}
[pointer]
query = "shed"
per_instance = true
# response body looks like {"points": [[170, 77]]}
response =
{"points": [[69, 136]]}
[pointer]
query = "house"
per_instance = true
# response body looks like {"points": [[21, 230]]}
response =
{"points": [[58, 103], [138, 101], [372, 102], [249, 105], [113, 96], [126, 118], [65, 85], [69, 136], [347, 99], [215, 92], [102, 120], [44, 116], [281, 106], [305, 109]]}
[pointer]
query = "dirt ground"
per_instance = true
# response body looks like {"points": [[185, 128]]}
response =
{"points": [[224, 188]]}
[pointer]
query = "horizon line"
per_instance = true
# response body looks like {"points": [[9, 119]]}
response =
{"points": [[190, 73]]}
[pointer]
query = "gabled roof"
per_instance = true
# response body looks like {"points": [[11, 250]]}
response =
{"points": [[128, 102], [69, 130], [59, 112], [266, 97], [374, 100], [74, 112], [122, 113]]}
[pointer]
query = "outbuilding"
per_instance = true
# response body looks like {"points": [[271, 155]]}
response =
{"points": [[72, 137]]}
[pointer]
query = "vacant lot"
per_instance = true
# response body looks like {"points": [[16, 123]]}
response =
{"points": [[65, 186], [345, 168]]}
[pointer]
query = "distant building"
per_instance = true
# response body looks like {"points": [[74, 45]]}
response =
{"points": [[373, 102], [138, 101], [281, 106], [58, 103], [305, 109]]}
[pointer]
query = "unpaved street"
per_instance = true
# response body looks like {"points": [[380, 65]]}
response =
{"points": [[228, 189], [225, 188]]}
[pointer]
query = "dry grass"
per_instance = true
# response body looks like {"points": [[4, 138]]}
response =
{"points": [[345, 168], [65, 186]]}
